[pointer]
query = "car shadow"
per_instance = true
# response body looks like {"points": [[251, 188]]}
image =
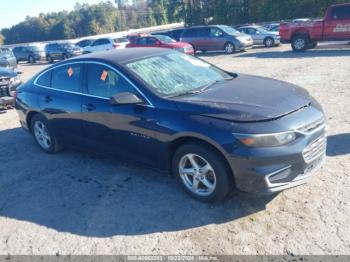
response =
{"points": [[96, 196], [338, 145]]}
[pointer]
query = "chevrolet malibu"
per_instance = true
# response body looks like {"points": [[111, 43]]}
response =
{"points": [[214, 130]]}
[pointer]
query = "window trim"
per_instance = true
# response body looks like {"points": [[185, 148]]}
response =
{"points": [[82, 88]]}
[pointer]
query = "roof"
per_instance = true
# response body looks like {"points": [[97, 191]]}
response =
{"points": [[250, 26], [121, 56]]}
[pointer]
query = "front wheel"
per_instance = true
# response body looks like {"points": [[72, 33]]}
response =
{"points": [[230, 48], [300, 43], [43, 135], [202, 173]]}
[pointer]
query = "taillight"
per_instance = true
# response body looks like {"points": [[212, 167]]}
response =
{"points": [[115, 45]]}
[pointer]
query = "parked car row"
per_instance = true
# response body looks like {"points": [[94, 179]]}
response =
{"points": [[187, 40]]}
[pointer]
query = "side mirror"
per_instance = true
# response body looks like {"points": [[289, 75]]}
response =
{"points": [[125, 98]]}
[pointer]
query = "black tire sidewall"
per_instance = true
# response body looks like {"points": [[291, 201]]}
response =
{"points": [[53, 147], [223, 181]]}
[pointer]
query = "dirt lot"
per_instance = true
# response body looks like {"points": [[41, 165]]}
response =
{"points": [[76, 203]]}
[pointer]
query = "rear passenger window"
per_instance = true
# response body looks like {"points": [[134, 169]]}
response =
{"points": [[190, 33], [45, 79], [67, 78], [105, 82]]}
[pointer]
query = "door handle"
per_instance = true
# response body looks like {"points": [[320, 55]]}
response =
{"points": [[89, 107], [47, 99]]}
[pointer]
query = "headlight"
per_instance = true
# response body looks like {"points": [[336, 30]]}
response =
{"points": [[15, 80], [266, 140]]}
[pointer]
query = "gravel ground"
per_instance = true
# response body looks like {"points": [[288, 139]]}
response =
{"points": [[76, 203]]}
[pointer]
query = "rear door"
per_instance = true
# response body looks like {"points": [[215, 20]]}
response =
{"points": [[337, 24], [60, 100]]}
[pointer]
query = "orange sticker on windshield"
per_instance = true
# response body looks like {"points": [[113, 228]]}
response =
{"points": [[70, 71], [104, 75]]}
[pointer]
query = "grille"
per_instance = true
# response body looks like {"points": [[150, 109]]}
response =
{"points": [[308, 128], [315, 149], [4, 91]]}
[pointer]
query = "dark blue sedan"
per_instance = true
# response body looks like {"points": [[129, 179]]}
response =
{"points": [[214, 130]]}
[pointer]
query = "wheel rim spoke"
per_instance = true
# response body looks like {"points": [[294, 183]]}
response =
{"points": [[193, 161], [207, 184]]}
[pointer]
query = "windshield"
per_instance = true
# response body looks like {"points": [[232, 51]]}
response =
{"points": [[68, 45], [165, 39], [230, 30], [34, 48], [174, 74]]}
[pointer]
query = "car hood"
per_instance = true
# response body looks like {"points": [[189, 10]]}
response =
{"points": [[7, 73], [246, 99]]}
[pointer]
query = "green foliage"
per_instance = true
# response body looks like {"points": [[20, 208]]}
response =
{"points": [[105, 17]]}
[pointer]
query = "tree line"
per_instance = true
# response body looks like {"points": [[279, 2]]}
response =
{"points": [[106, 17]]}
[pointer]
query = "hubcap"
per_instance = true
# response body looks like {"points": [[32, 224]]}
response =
{"points": [[299, 44], [197, 174], [269, 42], [42, 135], [229, 48]]}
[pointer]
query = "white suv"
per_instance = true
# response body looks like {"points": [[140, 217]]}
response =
{"points": [[104, 44]]}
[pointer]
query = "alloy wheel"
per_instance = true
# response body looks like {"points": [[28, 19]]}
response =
{"points": [[269, 42], [229, 48], [299, 44], [42, 135], [197, 174]]}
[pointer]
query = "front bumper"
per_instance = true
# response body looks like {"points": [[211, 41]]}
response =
{"points": [[269, 170], [246, 45]]}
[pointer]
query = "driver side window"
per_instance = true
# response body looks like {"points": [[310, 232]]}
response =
{"points": [[105, 82], [251, 31]]}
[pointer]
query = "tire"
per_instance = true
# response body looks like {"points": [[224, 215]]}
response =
{"points": [[217, 176], [230, 48], [269, 42], [300, 43], [49, 59], [312, 45], [31, 60], [194, 48], [43, 135]]}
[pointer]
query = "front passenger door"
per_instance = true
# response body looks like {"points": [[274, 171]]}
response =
{"points": [[116, 129]]}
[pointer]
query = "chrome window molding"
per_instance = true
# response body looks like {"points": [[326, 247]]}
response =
{"points": [[81, 93]]}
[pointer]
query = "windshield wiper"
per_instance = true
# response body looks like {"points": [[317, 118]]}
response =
{"points": [[202, 89], [214, 82]]}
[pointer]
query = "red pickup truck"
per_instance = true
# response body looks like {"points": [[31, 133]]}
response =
{"points": [[304, 35]]}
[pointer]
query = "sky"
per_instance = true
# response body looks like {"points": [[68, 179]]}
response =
{"points": [[15, 11]]}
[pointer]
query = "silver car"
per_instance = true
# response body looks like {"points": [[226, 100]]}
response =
{"points": [[7, 58], [261, 36]]}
